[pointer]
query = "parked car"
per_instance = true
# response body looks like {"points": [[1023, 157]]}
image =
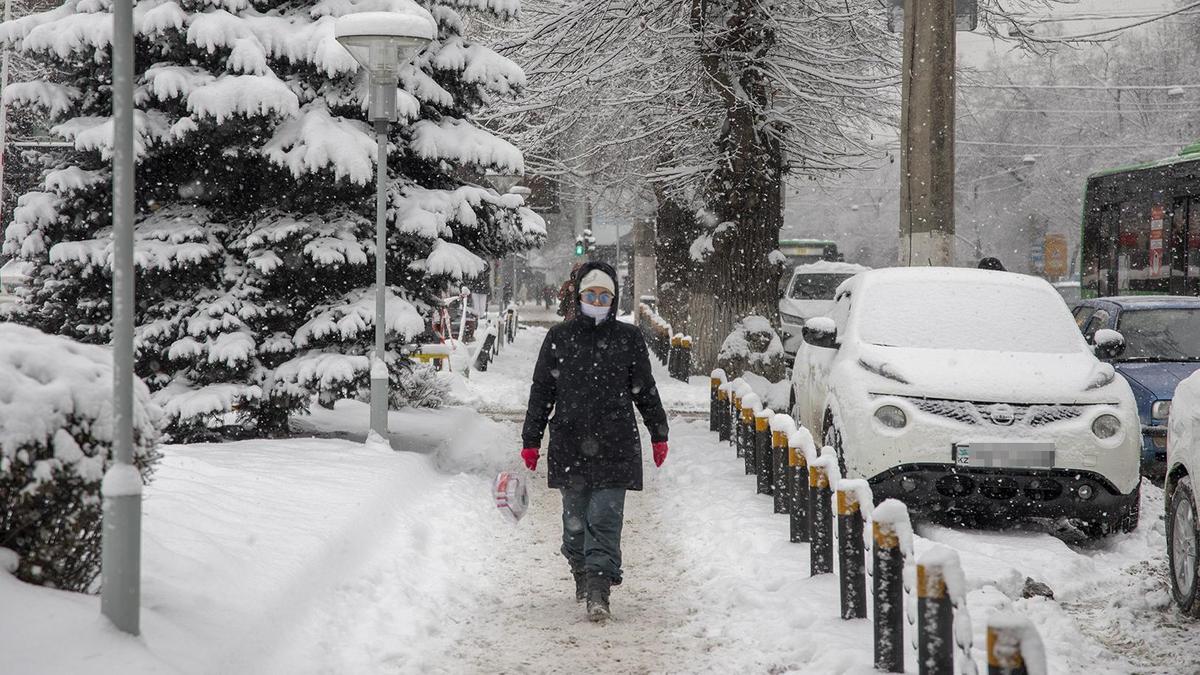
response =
{"points": [[969, 395], [1162, 347], [1183, 461], [809, 293]]}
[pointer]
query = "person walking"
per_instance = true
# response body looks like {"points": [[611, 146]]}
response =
{"points": [[591, 372]]}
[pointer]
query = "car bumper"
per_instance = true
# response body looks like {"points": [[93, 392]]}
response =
{"points": [[1154, 450], [1006, 494]]}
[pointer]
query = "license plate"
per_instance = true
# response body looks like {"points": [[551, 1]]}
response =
{"points": [[1005, 455]]}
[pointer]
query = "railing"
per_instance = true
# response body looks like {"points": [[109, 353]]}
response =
{"points": [[807, 485]]}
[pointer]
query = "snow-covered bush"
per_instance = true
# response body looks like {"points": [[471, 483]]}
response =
{"points": [[418, 386], [56, 438], [753, 346], [255, 225]]}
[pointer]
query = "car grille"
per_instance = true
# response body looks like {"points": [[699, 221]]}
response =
{"points": [[998, 414]]}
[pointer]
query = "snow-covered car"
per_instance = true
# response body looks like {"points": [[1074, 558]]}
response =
{"points": [[809, 293], [971, 394], [1183, 462]]}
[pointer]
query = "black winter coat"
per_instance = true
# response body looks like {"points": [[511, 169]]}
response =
{"points": [[590, 376]]}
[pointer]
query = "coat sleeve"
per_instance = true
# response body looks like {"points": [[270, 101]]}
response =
{"points": [[542, 394], [645, 392]]}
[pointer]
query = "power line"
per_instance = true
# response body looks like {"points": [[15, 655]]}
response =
{"points": [[1087, 87], [1178, 144]]}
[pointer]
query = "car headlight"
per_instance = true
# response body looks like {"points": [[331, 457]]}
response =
{"points": [[795, 319], [1106, 426], [1161, 410], [891, 416]]}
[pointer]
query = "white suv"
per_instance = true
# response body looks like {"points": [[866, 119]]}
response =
{"points": [[1183, 462], [971, 394], [809, 293]]}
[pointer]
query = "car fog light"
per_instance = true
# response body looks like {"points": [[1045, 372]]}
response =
{"points": [[907, 483], [891, 416], [1084, 491], [1106, 426]]}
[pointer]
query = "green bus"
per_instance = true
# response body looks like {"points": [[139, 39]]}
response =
{"points": [[804, 251], [1141, 229]]}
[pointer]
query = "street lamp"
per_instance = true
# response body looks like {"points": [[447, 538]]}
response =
{"points": [[381, 42]]}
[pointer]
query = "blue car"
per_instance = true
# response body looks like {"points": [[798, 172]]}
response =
{"points": [[1162, 347]]}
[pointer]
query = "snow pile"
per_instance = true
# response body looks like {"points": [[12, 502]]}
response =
{"points": [[56, 438]]}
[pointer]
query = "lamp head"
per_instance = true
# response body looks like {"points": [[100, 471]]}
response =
{"points": [[382, 41]]}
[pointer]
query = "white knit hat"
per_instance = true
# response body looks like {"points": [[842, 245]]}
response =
{"points": [[597, 278]]}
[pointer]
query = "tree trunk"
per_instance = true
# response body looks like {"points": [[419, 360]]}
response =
{"points": [[738, 277], [675, 231]]}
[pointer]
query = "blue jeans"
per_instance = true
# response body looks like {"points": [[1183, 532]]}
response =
{"points": [[592, 520]]}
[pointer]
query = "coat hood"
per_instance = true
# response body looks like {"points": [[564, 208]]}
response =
{"points": [[607, 269]]}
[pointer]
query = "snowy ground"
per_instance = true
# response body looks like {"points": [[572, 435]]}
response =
{"points": [[322, 555]]}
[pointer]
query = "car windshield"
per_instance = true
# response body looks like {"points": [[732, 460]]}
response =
{"points": [[1160, 334], [988, 316], [816, 286]]}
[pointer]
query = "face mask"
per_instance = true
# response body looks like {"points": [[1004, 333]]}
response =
{"points": [[594, 311]]}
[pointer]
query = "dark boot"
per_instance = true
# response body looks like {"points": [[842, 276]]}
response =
{"points": [[580, 585], [597, 598]]}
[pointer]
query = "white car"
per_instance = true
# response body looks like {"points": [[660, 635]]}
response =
{"points": [[971, 394], [809, 293], [1183, 462]]}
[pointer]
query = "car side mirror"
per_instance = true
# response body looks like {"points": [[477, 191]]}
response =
{"points": [[821, 331], [1109, 344]]}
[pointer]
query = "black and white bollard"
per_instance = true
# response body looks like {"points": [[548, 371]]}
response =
{"points": [[762, 450], [800, 445], [820, 516], [935, 614], [715, 380], [852, 497], [781, 484], [723, 394], [1013, 646], [750, 405], [891, 538]]}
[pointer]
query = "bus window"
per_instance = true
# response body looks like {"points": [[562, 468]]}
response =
{"points": [[1193, 247], [1135, 271]]}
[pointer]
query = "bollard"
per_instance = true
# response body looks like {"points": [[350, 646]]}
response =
{"points": [[888, 589], [820, 533], [723, 412], [935, 615], [716, 379], [673, 358], [798, 440], [750, 405], [685, 358], [852, 576], [781, 483], [746, 435], [762, 450], [484, 356], [1013, 646], [735, 421]]}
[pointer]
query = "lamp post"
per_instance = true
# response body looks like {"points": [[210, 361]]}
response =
{"points": [[121, 525], [381, 42]]}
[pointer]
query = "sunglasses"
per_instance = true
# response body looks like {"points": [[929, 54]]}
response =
{"points": [[594, 298]]}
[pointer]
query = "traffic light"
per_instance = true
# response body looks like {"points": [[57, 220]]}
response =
{"points": [[580, 248]]}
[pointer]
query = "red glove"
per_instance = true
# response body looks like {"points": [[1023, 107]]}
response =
{"points": [[660, 452], [530, 455]]}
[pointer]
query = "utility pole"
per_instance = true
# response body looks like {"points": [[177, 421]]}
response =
{"points": [[927, 134]]}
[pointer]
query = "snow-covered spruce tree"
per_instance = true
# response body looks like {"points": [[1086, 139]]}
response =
{"points": [[255, 195]]}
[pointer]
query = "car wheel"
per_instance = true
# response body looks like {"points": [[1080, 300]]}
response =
{"points": [[1183, 546], [833, 439]]}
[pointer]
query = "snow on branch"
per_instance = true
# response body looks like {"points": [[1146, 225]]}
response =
{"points": [[55, 98], [352, 315], [317, 140], [247, 95], [452, 259], [95, 133], [461, 141]]}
